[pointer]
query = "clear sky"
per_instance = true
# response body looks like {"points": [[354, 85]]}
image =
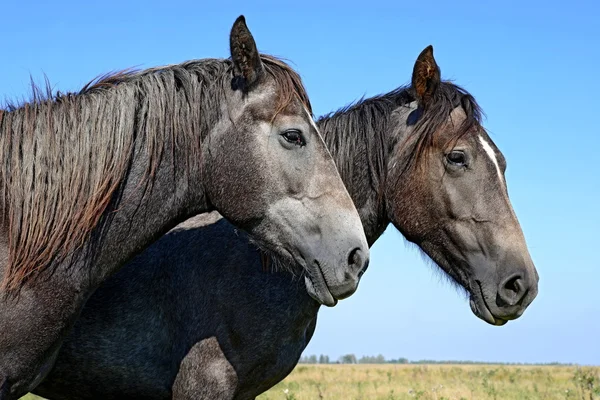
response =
{"points": [[531, 65]]}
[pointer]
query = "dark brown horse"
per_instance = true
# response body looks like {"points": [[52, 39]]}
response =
{"points": [[91, 179], [173, 324]]}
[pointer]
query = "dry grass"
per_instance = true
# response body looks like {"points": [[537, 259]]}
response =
{"points": [[435, 382]]}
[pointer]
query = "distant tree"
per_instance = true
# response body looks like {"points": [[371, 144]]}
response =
{"points": [[323, 359], [312, 359], [379, 359], [400, 360], [348, 359], [365, 360]]}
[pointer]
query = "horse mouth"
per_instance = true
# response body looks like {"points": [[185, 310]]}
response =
{"points": [[480, 307], [316, 285], [314, 280]]}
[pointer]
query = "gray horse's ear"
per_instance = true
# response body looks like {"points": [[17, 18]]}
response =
{"points": [[426, 77], [247, 66]]}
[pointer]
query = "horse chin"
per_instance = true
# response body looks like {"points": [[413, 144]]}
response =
{"points": [[481, 309], [320, 292]]}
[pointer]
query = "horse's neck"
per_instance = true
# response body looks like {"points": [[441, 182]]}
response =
{"points": [[368, 197], [145, 210]]}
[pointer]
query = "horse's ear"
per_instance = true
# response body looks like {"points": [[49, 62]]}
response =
{"points": [[426, 77], [247, 66]]}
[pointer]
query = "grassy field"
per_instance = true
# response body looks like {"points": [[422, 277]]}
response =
{"points": [[435, 382]]}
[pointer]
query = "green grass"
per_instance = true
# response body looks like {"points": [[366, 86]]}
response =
{"points": [[435, 382]]}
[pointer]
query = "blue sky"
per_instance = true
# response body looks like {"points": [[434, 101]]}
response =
{"points": [[532, 67]]}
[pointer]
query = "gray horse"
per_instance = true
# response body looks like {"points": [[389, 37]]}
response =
{"points": [[172, 323], [90, 179]]}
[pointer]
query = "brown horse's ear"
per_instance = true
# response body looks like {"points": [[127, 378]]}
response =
{"points": [[247, 66], [426, 77]]}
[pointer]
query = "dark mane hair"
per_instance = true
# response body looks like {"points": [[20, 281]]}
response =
{"points": [[447, 97], [63, 157], [370, 120]]}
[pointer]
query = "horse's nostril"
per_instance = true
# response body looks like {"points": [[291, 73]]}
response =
{"points": [[512, 290], [354, 257], [357, 260], [514, 284]]}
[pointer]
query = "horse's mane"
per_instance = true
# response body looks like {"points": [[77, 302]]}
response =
{"points": [[64, 157], [370, 119]]}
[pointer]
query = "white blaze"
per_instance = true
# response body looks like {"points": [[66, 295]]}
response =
{"points": [[491, 153]]}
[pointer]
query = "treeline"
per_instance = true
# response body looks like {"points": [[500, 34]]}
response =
{"points": [[351, 359], [380, 359]]}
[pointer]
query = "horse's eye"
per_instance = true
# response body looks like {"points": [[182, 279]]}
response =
{"points": [[457, 157], [294, 136]]}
